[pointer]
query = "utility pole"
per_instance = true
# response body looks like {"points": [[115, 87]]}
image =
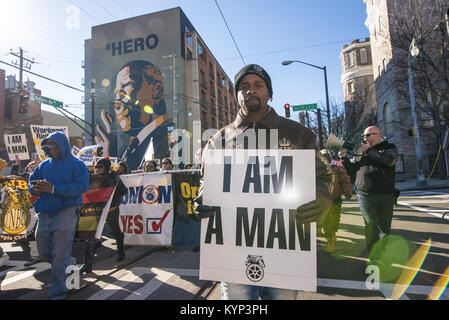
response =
{"points": [[21, 66], [92, 104], [328, 110], [320, 129]]}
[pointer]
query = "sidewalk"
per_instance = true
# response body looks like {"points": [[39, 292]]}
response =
{"points": [[410, 184]]}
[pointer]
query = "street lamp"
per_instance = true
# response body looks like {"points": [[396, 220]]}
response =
{"points": [[286, 63], [420, 179]]}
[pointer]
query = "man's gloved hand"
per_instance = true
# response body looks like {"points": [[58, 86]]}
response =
{"points": [[200, 210], [312, 211]]}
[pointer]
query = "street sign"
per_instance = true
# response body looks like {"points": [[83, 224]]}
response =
{"points": [[45, 100], [303, 107]]}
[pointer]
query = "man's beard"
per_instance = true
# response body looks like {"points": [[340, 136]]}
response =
{"points": [[252, 106]]}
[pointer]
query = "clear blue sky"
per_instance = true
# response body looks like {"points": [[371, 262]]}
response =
{"points": [[267, 32]]}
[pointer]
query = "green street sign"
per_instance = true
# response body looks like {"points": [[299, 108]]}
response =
{"points": [[45, 100], [303, 107]]}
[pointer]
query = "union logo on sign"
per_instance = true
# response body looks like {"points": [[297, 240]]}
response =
{"points": [[150, 194]]}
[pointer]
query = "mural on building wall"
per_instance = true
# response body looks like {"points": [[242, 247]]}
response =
{"points": [[139, 111], [131, 66]]}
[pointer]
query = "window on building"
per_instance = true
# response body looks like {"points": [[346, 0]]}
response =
{"points": [[212, 89], [203, 79], [189, 54], [204, 121], [189, 40], [203, 99], [350, 59], [200, 49], [363, 55], [211, 70], [351, 88]]}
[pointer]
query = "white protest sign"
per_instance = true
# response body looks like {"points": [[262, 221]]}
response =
{"points": [[39, 133], [16, 145], [87, 154], [146, 211], [254, 237]]}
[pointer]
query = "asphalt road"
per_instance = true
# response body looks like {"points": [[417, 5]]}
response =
{"points": [[151, 273]]}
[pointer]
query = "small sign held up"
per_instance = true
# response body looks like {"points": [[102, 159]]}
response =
{"points": [[16, 145]]}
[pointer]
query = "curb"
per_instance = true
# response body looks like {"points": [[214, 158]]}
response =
{"points": [[423, 188]]}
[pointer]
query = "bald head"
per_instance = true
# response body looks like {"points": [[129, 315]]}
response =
{"points": [[372, 135]]}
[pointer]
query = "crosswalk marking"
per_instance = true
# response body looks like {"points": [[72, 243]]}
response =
{"points": [[142, 293], [20, 275], [131, 276]]}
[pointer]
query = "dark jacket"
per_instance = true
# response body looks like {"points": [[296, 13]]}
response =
{"points": [[291, 135], [68, 174], [375, 170]]}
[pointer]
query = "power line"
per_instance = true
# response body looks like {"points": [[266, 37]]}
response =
{"points": [[87, 13], [52, 35], [291, 49], [224, 19], [38, 75], [105, 9], [123, 7]]}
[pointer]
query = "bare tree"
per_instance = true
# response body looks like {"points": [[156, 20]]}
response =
{"points": [[423, 21]]}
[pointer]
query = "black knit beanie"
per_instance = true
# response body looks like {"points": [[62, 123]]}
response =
{"points": [[254, 69]]}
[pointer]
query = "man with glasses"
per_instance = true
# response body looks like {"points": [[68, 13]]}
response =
{"points": [[375, 184]]}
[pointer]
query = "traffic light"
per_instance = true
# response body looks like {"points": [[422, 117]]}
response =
{"points": [[24, 102], [411, 132], [172, 143], [287, 110]]}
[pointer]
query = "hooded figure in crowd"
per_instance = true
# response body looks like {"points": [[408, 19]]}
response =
{"points": [[59, 182]]}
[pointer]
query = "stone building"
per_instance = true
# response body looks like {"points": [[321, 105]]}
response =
{"points": [[389, 48], [358, 88]]}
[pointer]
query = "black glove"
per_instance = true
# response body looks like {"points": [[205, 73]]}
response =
{"points": [[200, 210], [313, 210]]}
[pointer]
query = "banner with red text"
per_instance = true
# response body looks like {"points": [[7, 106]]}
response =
{"points": [[146, 210]]}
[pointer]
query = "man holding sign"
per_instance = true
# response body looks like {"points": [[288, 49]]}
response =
{"points": [[288, 180]]}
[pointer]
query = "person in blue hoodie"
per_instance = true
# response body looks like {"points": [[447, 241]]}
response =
{"points": [[60, 182]]}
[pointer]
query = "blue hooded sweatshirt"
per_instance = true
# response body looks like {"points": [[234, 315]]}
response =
{"points": [[68, 174]]}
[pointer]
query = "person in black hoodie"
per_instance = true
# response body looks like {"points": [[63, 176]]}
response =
{"points": [[374, 172], [103, 167]]}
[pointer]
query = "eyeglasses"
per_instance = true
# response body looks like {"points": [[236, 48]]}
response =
{"points": [[165, 162], [149, 166], [99, 167], [368, 134]]}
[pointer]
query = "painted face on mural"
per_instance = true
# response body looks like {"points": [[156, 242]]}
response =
{"points": [[136, 94]]}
